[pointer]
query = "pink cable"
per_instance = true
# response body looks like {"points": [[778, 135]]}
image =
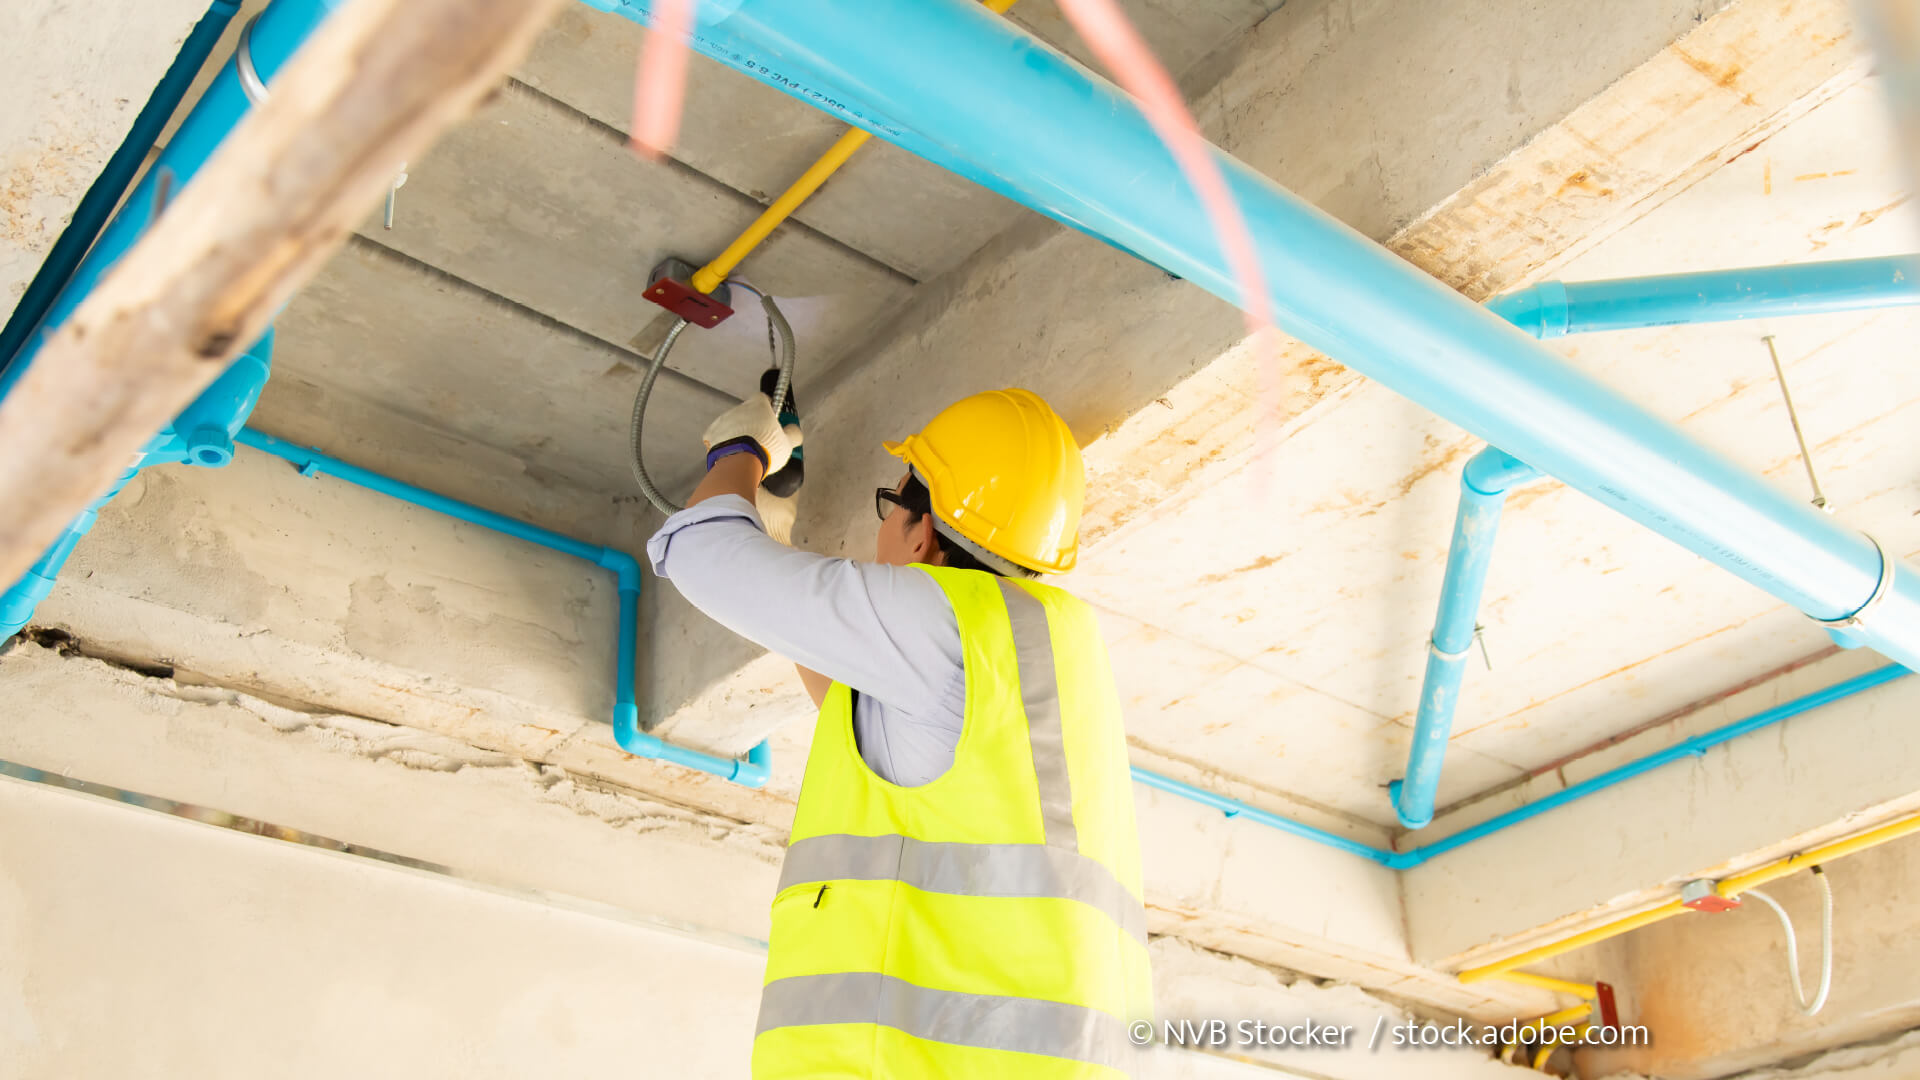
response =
{"points": [[1119, 46], [660, 86]]}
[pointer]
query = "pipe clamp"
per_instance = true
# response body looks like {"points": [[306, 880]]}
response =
{"points": [[250, 80], [1880, 591]]}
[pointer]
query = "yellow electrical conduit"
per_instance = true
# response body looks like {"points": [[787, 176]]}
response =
{"points": [[1587, 992], [708, 278], [1730, 888]]}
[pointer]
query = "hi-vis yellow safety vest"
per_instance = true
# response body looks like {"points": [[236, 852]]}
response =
{"points": [[986, 924]]}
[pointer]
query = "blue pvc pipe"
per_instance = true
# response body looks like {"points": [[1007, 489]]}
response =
{"points": [[1693, 747], [978, 90], [208, 424], [791, 76], [98, 203], [203, 433], [1554, 309], [1406, 860], [1484, 484], [752, 772], [1236, 808]]}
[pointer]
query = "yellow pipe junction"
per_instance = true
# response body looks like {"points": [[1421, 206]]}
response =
{"points": [[708, 278]]}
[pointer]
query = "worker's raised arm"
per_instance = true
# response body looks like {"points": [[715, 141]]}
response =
{"points": [[886, 631]]}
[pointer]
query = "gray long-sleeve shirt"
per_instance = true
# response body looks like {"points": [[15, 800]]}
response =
{"points": [[886, 631]]}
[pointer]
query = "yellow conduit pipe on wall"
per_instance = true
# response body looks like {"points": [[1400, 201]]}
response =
{"points": [[708, 278], [1730, 888]]}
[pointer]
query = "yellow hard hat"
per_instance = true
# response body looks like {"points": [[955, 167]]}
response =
{"points": [[1004, 473]]}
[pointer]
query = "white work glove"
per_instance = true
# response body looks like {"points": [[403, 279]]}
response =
{"points": [[755, 419], [777, 513]]}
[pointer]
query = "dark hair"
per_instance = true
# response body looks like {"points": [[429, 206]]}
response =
{"points": [[918, 502]]}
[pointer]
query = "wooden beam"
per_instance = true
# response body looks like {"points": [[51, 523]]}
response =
{"points": [[374, 86]]}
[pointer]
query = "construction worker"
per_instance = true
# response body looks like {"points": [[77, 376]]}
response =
{"points": [[961, 892]]}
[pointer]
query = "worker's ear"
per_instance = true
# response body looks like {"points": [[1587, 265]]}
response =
{"points": [[926, 547]]}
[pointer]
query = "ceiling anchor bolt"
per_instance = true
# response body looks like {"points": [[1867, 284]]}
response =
{"points": [[386, 218], [1480, 639], [1806, 456]]}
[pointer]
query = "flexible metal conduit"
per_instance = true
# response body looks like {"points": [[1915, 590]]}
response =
{"points": [[751, 772], [1484, 484], [980, 93]]}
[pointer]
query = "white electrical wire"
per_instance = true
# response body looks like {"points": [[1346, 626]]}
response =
{"points": [[1793, 946]]}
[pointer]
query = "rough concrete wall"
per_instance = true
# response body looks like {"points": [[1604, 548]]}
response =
{"points": [[1713, 990], [1826, 773], [142, 945], [316, 592], [597, 827], [73, 77], [1885, 1059], [591, 852], [489, 816]]}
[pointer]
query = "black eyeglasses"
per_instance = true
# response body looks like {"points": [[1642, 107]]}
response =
{"points": [[885, 499]]}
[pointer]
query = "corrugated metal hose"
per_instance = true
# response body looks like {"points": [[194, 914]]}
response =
{"points": [[784, 353]]}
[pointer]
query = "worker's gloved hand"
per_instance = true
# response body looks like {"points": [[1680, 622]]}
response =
{"points": [[753, 419]]}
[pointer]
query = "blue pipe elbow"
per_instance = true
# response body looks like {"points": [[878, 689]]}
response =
{"points": [[752, 772]]}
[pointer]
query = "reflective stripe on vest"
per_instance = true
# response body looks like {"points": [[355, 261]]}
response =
{"points": [[1024, 870], [1026, 1025], [1040, 694]]}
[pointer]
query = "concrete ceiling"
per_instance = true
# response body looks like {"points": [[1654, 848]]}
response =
{"points": [[504, 307], [1279, 637], [1279, 640]]}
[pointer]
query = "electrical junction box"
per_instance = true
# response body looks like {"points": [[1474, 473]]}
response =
{"points": [[671, 286], [1703, 895]]}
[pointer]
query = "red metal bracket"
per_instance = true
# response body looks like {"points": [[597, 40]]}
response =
{"points": [[1609, 1014], [672, 289]]}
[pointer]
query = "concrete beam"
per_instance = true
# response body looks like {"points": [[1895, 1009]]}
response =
{"points": [[139, 942], [1827, 773], [498, 818], [182, 573], [316, 592], [487, 816], [1675, 974]]}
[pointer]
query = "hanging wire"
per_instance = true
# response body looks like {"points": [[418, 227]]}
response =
{"points": [[1793, 946], [783, 354]]}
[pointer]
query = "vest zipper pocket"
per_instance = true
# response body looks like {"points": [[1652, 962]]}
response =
{"points": [[809, 894]]}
